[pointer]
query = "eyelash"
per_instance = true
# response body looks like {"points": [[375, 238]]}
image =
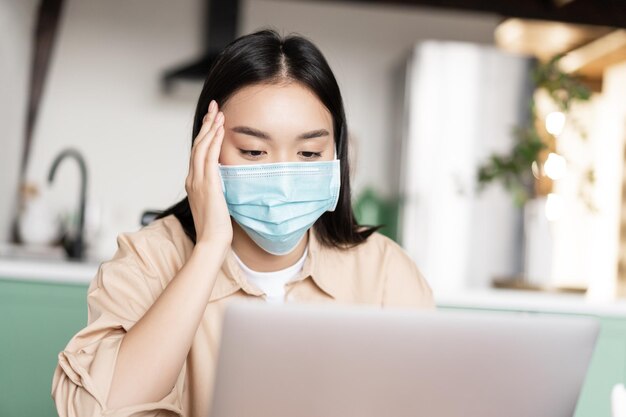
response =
{"points": [[248, 153], [313, 154]]}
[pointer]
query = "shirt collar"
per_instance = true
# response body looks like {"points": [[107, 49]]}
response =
{"points": [[231, 279]]}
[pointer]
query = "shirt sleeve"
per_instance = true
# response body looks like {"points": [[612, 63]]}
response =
{"points": [[405, 286], [121, 292]]}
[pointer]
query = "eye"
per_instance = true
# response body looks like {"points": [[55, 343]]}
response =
{"points": [[251, 153], [310, 155]]}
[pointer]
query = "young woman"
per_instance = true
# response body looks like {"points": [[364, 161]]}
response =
{"points": [[267, 215]]}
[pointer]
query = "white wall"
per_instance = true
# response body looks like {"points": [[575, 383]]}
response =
{"points": [[607, 140], [571, 238], [102, 93], [17, 19], [585, 244]]}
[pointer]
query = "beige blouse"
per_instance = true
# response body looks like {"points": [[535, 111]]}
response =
{"points": [[376, 272]]}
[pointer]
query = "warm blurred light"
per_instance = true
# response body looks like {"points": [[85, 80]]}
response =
{"points": [[543, 39], [560, 34], [509, 32], [554, 207], [535, 169], [595, 51], [555, 121], [555, 166]]}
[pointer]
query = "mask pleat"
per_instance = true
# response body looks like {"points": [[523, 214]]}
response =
{"points": [[276, 203]]}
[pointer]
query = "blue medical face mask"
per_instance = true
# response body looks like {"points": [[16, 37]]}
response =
{"points": [[276, 203]]}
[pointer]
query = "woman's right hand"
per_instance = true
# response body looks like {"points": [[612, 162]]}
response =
{"points": [[188, 292], [203, 183]]}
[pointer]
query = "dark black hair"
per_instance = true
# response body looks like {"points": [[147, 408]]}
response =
{"points": [[266, 57]]}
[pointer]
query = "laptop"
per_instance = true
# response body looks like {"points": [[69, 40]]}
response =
{"points": [[295, 360]]}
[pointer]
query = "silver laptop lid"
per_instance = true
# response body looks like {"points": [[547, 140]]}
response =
{"points": [[339, 361]]}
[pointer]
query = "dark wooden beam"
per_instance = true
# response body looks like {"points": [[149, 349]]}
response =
{"points": [[46, 29], [591, 12], [48, 17]]}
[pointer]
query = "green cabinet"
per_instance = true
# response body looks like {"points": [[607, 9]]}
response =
{"points": [[607, 367], [37, 319]]}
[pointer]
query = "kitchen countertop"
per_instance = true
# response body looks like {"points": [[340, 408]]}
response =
{"points": [[549, 302], [56, 271], [45, 263], [63, 271]]}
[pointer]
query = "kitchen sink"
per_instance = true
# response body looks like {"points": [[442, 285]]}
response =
{"points": [[32, 252]]}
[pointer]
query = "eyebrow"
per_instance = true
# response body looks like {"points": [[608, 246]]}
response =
{"points": [[246, 130]]}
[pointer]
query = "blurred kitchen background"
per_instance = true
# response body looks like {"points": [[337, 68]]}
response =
{"points": [[488, 137]]}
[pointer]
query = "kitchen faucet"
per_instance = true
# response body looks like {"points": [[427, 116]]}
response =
{"points": [[74, 246]]}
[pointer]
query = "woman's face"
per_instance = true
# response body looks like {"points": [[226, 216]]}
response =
{"points": [[266, 123]]}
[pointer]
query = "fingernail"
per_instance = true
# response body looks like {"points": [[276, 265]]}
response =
{"points": [[220, 117], [212, 105]]}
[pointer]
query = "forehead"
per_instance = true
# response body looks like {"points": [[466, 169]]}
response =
{"points": [[277, 104]]}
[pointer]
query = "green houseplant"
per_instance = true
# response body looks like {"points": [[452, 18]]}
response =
{"points": [[515, 169]]}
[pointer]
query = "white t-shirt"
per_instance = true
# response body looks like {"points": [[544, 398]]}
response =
{"points": [[273, 283]]}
